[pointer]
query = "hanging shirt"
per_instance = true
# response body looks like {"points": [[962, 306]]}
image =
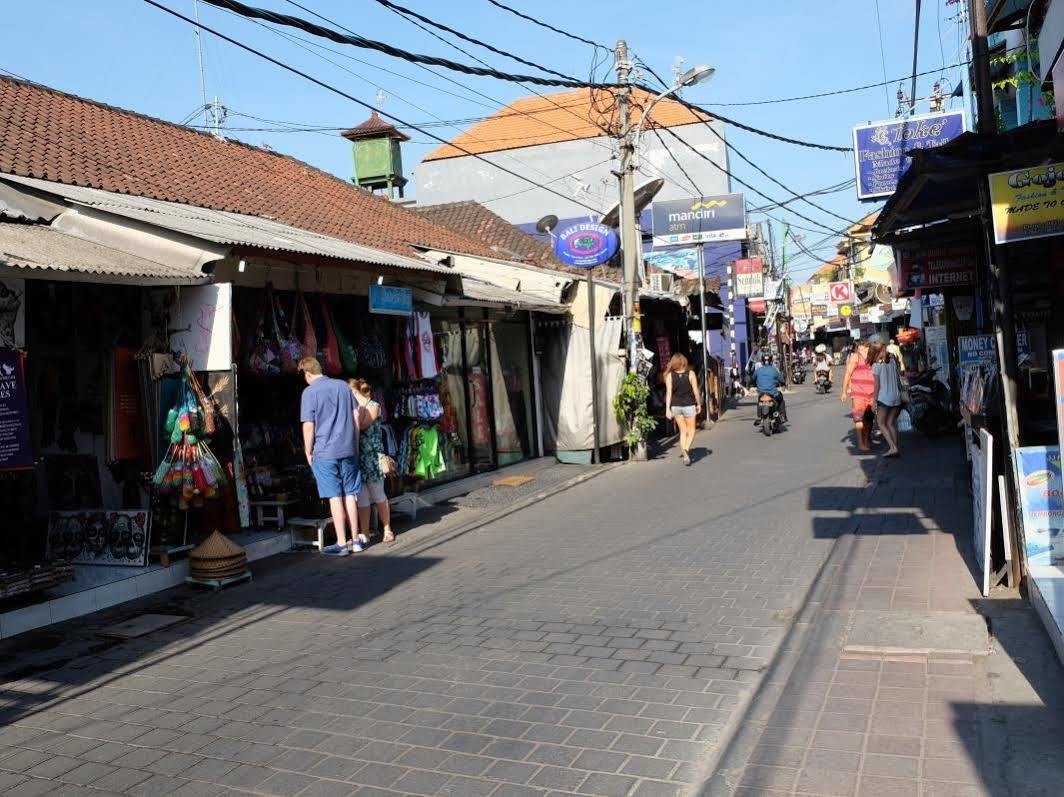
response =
{"points": [[426, 346], [430, 461]]}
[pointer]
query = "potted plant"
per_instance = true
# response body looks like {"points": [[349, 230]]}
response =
{"points": [[630, 407]]}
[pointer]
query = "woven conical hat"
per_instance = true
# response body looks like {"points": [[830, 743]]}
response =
{"points": [[217, 546], [206, 565], [217, 575], [220, 561]]}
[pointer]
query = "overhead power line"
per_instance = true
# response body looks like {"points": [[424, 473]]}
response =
{"points": [[548, 26], [357, 101], [371, 44]]}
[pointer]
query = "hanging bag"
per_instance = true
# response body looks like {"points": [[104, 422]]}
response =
{"points": [[264, 353], [348, 354], [371, 348], [301, 314], [291, 349], [331, 360]]}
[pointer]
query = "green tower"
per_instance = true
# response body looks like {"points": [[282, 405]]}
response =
{"points": [[378, 159]]}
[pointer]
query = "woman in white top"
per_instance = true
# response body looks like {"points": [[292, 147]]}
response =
{"points": [[887, 394]]}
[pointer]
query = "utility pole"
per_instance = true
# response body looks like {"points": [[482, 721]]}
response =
{"points": [[631, 247], [997, 258]]}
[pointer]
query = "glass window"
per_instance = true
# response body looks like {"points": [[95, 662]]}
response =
{"points": [[512, 391]]}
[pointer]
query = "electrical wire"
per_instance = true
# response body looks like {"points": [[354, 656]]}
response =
{"points": [[757, 131], [548, 26], [694, 185], [357, 101], [371, 44], [882, 59]]}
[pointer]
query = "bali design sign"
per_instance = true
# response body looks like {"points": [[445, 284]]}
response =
{"points": [[699, 219], [881, 150], [1028, 203], [586, 245], [750, 277]]}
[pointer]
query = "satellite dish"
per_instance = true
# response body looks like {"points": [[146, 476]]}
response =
{"points": [[644, 195], [546, 224]]}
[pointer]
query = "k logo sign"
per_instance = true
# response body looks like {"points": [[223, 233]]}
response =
{"points": [[840, 292]]}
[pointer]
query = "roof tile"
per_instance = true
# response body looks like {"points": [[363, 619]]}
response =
{"points": [[60, 137]]}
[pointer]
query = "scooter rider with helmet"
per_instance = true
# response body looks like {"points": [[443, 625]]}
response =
{"points": [[769, 380]]}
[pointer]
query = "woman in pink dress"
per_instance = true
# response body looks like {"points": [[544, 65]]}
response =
{"points": [[859, 386]]}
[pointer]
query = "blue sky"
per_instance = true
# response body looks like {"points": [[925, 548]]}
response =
{"points": [[132, 55]]}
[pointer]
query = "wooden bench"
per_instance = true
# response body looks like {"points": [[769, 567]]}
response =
{"points": [[271, 512]]}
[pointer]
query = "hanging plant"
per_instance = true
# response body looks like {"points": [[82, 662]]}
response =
{"points": [[630, 407]]}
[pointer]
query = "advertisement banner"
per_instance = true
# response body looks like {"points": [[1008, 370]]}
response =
{"points": [[586, 245], [16, 452], [1028, 203], [750, 277], [801, 301], [99, 537], [936, 268], [840, 292], [699, 219], [881, 150], [681, 262], [938, 352], [1041, 503], [975, 351]]}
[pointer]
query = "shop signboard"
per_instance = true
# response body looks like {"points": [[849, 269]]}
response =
{"points": [[750, 277], [1041, 491], [1027, 203], [390, 300], [586, 245], [16, 450], [757, 305], [881, 150], [976, 351], [982, 458], [938, 267], [938, 352], [695, 220]]}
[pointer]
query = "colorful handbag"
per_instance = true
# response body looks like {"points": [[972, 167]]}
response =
{"points": [[291, 348], [264, 352], [301, 313], [330, 359]]}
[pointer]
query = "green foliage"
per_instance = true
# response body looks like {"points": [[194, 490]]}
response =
{"points": [[630, 407]]}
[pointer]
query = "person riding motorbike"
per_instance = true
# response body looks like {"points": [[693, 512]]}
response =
{"points": [[769, 380]]}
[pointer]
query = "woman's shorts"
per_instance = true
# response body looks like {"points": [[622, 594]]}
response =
{"points": [[371, 493], [685, 412]]}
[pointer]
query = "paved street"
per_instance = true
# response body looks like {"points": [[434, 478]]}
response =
{"points": [[605, 641]]}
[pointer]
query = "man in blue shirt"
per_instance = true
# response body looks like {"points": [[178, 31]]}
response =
{"points": [[330, 443], [769, 380]]}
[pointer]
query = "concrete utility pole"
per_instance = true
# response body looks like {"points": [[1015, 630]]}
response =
{"points": [[631, 246]]}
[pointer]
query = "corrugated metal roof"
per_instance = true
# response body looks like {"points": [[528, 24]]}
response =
{"points": [[224, 227], [37, 246], [477, 292]]}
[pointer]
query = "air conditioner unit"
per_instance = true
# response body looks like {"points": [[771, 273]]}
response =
{"points": [[661, 283]]}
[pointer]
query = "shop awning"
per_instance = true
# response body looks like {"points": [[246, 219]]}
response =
{"points": [[477, 293], [58, 255], [223, 227]]}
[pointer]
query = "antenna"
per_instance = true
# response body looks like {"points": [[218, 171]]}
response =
{"points": [[202, 72]]}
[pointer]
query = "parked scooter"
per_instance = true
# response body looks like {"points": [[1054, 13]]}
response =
{"points": [[768, 414], [797, 373], [929, 405], [822, 383]]}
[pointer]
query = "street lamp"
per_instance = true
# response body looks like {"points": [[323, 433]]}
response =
{"points": [[691, 77]]}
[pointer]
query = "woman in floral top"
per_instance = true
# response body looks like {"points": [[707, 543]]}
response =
{"points": [[370, 448]]}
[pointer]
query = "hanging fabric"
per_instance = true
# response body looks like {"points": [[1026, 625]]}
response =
{"points": [[291, 348], [426, 346], [301, 315], [264, 351], [348, 354]]}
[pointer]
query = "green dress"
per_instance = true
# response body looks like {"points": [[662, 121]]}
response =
{"points": [[370, 448]]}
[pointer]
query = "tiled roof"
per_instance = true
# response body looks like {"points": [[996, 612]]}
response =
{"points": [[551, 118], [472, 219], [374, 126], [55, 136]]}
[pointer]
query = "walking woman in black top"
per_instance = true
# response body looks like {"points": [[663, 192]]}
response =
{"points": [[682, 402]]}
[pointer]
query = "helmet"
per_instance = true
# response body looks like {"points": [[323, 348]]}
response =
{"points": [[821, 348]]}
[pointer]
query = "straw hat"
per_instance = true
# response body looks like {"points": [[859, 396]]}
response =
{"points": [[217, 546]]}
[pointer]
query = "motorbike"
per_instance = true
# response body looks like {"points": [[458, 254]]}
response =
{"points": [[797, 373], [929, 405], [822, 383], [768, 414]]}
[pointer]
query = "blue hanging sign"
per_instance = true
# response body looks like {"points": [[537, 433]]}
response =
{"points": [[881, 150], [389, 300], [586, 245]]}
